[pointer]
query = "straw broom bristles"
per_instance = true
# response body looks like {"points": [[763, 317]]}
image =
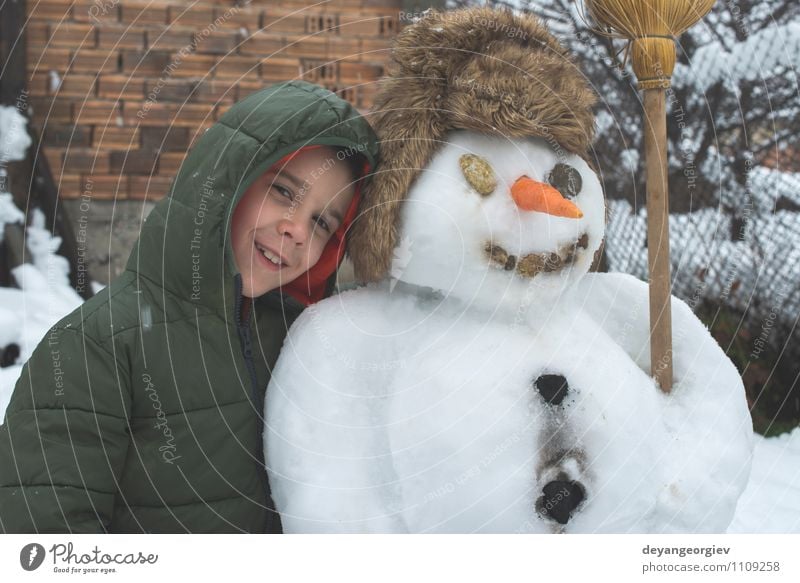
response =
{"points": [[651, 27]]}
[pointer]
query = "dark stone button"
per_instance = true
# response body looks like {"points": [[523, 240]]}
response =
{"points": [[552, 387], [559, 499], [566, 180]]}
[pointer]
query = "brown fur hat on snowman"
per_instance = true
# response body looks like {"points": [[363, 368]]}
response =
{"points": [[485, 70]]}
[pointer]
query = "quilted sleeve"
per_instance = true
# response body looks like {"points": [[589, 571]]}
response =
{"points": [[64, 437]]}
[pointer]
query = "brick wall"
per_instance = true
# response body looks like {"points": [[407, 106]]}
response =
{"points": [[121, 88]]}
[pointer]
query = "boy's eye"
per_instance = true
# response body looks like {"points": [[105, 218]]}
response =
{"points": [[283, 191], [323, 224]]}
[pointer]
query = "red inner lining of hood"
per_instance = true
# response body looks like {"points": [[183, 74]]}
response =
{"points": [[310, 286]]}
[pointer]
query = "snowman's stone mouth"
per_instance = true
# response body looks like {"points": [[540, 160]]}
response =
{"points": [[533, 264]]}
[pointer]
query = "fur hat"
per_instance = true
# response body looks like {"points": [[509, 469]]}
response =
{"points": [[480, 69]]}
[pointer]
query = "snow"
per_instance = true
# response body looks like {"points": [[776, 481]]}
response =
{"points": [[44, 297], [14, 138], [756, 57], [707, 263], [428, 420], [9, 213], [771, 502], [55, 81], [773, 183]]}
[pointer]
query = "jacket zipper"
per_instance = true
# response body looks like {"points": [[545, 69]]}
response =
{"points": [[244, 337]]}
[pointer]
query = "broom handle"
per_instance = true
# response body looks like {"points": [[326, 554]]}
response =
{"points": [[655, 139]]}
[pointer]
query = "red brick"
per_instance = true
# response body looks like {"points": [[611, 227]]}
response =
{"points": [[134, 162], [217, 92], [37, 33], [50, 10], [367, 95], [237, 67], [167, 89], [169, 39], [66, 136], [50, 110], [96, 11], [375, 49], [165, 139], [106, 186], [96, 112], [196, 133], [94, 61], [279, 69], [344, 48], [376, 9], [86, 161], [170, 162], [193, 65], [346, 92], [217, 43], [323, 22], [72, 35], [358, 72], [245, 88], [39, 84], [153, 63], [305, 46], [69, 185], [43, 60], [55, 160], [112, 137], [274, 22], [359, 25], [119, 87], [143, 13], [196, 17], [150, 188], [74, 85], [121, 37], [317, 71], [167, 114], [262, 44], [220, 111], [228, 17]]}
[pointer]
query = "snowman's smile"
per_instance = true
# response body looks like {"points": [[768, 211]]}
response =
{"points": [[533, 264]]}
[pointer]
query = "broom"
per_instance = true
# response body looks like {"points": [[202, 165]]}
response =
{"points": [[650, 27]]}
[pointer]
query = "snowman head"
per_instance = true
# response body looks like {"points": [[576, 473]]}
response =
{"points": [[458, 77], [494, 219]]}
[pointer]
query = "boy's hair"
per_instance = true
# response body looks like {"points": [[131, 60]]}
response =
{"points": [[354, 160]]}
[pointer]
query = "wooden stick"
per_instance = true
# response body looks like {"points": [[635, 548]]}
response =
{"points": [[655, 139]]}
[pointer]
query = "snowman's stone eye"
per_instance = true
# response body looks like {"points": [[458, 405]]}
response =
{"points": [[479, 173], [566, 180]]}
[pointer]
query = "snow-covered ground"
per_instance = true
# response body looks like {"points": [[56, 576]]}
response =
{"points": [[771, 502]]}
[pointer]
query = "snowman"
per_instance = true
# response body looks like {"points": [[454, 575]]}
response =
{"points": [[486, 381]]}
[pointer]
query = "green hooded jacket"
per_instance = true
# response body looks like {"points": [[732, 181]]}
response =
{"points": [[142, 410]]}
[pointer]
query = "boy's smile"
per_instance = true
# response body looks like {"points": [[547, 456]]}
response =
{"points": [[286, 217]]}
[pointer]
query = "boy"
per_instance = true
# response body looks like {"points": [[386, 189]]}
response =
{"points": [[154, 423]]}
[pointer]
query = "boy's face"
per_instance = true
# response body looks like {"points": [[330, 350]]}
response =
{"points": [[286, 217]]}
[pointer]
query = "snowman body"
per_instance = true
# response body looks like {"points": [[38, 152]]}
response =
{"points": [[469, 396]]}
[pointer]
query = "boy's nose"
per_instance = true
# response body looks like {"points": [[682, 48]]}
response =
{"points": [[294, 229]]}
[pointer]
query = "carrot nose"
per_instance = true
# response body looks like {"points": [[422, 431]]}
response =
{"points": [[531, 195]]}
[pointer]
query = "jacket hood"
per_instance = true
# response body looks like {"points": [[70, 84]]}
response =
{"points": [[480, 69], [185, 241]]}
